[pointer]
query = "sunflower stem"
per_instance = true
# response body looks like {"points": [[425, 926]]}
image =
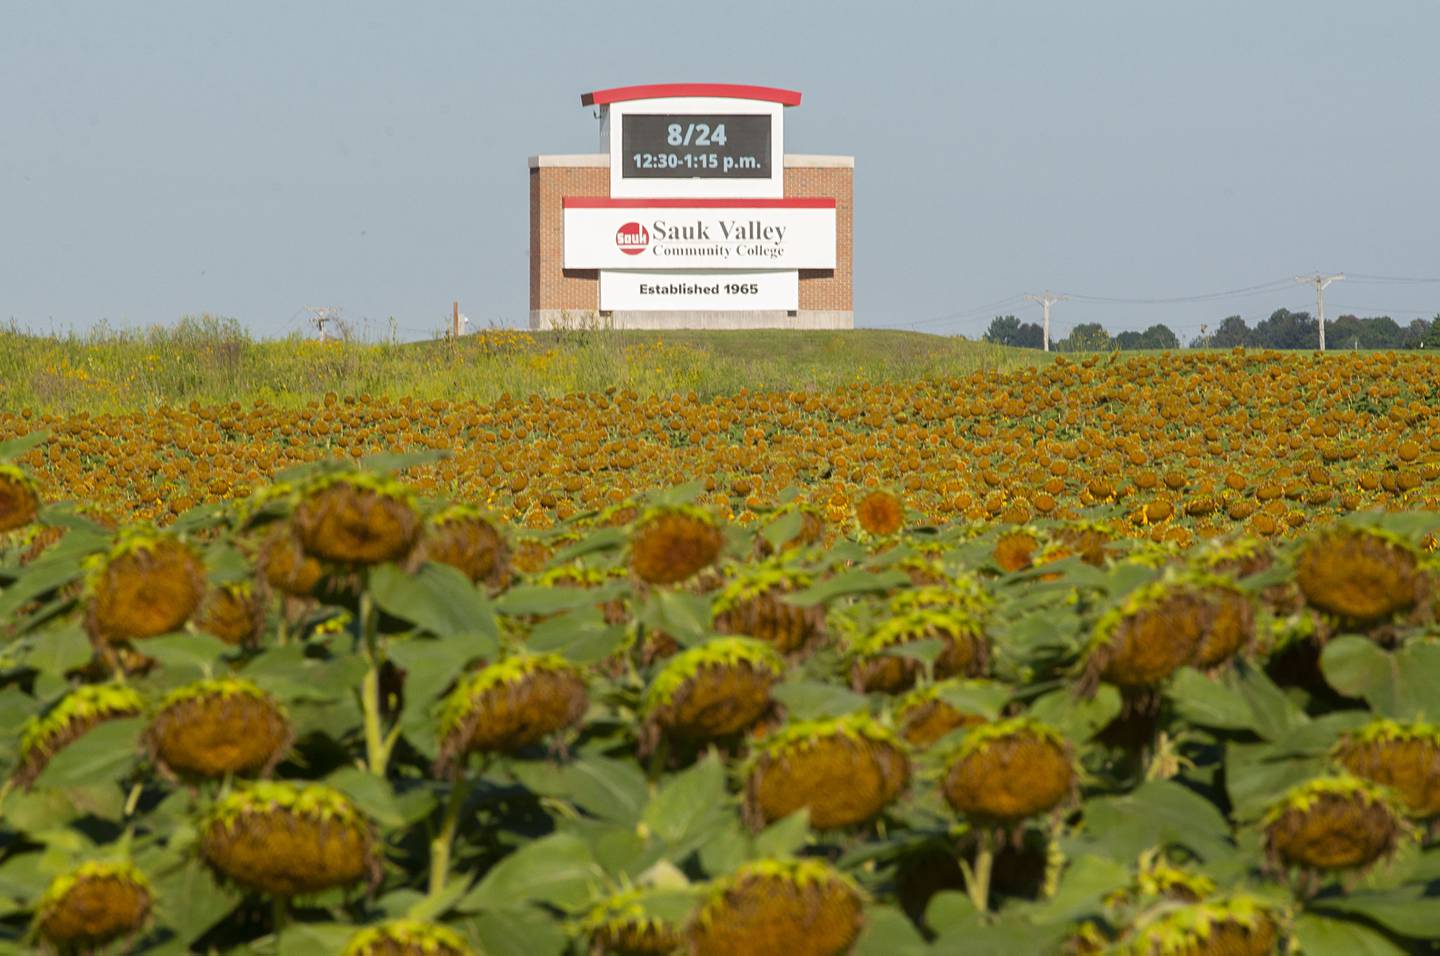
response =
{"points": [[440, 846], [377, 754], [278, 909], [977, 878]]}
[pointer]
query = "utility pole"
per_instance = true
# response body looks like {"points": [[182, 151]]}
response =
{"points": [[1047, 300], [1320, 281], [322, 316]]}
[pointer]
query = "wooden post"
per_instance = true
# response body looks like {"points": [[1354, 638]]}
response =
{"points": [[455, 322]]}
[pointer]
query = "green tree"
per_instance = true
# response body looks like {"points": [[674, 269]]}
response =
{"points": [[1086, 337], [1232, 332], [1003, 330]]}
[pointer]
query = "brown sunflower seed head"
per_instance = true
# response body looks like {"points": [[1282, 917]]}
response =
{"points": [[19, 498], [94, 905], [77, 712], [1403, 757], [149, 584], [798, 908], [1332, 823], [356, 519], [767, 617], [218, 728], [1361, 577], [880, 513], [1159, 629], [508, 706], [715, 690], [287, 840], [844, 771], [285, 565], [406, 937], [636, 938], [1006, 772], [465, 540], [234, 613], [929, 720], [1015, 551], [674, 544], [1229, 627]]}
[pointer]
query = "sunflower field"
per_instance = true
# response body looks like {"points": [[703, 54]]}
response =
{"points": [[1128, 656]]}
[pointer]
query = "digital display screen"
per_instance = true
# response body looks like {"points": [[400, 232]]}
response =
{"points": [[695, 146]]}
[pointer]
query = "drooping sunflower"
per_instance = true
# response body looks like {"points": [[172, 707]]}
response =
{"points": [[1005, 772], [1332, 823], [462, 537], [751, 603], [712, 691], [1361, 576], [671, 545], [844, 771], [287, 839], [1404, 757], [232, 612], [795, 907], [356, 518], [639, 921], [218, 728], [93, 905], [406, 937], [19, 497], [43, 736], [509, 705], [148, 584]]}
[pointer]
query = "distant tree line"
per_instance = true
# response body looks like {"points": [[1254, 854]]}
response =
{"points": [[1282, 330]]}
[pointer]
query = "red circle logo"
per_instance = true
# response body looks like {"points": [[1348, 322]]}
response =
{"points": [[632, 238]]}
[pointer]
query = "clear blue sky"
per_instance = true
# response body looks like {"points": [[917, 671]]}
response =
{"points": [[165, 158]]}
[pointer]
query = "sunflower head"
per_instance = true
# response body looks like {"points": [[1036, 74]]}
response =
{"points": [[714, 690], [406, 937], [149, 583], [1332, 823], [1004, 772], [464, 538], [844, 770], [510, 705], [1404, 757], [751, 603], [232, 612], [285, 565], [1359, 575], [93, 905], [19, 497], [217, 728], [964, 650], [639, 921], [672, 544], [77, 712], [880, 513], [287, 839], [1238, 924], [932, 712], [779, 906], [356, 518]]}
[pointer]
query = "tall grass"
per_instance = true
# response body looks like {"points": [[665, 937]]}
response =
{"points": [[212, 360]]}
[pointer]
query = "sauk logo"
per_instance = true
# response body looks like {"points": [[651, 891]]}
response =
{"points": [[632, 238]]}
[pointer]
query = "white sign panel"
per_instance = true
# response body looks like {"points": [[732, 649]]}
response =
{"points": [[704, 290], [699, 234]]}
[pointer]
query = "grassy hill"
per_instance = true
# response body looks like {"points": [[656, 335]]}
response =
{"points": [[209, 361]]}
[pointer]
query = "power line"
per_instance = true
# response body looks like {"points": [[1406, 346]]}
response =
{"points": [[1359, 277], [1272, 286]]}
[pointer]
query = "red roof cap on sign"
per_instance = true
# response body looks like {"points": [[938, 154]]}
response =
{"points": [[736, 91]]}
